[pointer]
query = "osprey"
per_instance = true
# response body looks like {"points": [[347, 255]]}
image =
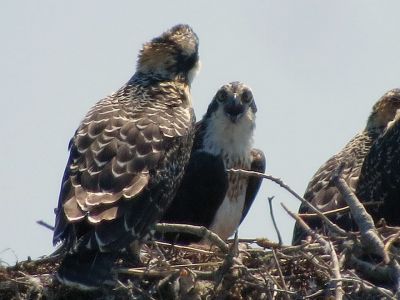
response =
{"points": [[321, 192], [127, 159], [208, 195], [380, 173]]}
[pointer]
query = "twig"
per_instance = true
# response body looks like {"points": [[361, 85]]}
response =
{"points": [[191, 265], [368, 286], [336, 273], [10, 250], [273, 220], [46, 225], [338, 210], [225, 268], [332, 226], [391, 240], [185, 248], [199, 231], [364, 221], [278, 266], [317, 293], [206, 275], [308, 230], [380, 273], [328, 246], [132, 286]]}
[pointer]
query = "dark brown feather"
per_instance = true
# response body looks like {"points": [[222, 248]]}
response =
{"points": [[321, 192], [258, 164], [380, 176]]}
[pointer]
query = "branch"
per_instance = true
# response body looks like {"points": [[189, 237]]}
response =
{"points": [[367, 286], [45, 225], [308, 230], [184, 248], [332, 226], [336, 272], [338, 210], [364, 221], [199, 231], [328, 247], [154, 273], [280, 274], [273, 220]]}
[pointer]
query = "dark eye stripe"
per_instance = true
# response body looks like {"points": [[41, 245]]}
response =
{"points": [[247, 97], [222, 96]]}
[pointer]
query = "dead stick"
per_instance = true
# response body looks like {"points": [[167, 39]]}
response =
{"points": [[338, 210], [280, 273], [46, 225], [273, 220], [333, 227], [199, 231], [369, 236], [336, 273], [328, 249]]}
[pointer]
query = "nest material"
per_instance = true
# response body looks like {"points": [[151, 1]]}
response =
{"points": [[251, 269], [351, 265]]}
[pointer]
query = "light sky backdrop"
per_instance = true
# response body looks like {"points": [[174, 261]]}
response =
{"points": [[315, 68]]}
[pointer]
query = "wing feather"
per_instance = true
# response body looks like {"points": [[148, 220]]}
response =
{"points": [[380, 176], [115, 155], [323, 194], [258, 164], [202, 191]]}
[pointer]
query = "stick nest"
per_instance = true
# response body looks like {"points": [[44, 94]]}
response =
{"points": [[250, 269]]}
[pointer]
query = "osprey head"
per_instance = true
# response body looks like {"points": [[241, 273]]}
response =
{"points": [[234, 101], [230, 121], [384, 110], [173, 55]]}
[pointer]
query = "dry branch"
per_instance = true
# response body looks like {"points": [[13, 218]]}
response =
{"points": [[199, 231], [332, 226], [364, 221], [335, 265]]}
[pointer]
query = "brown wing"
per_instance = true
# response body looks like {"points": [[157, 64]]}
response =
{"points": [[323, 194], [380, 176], [253, 185], [199, 137], [116, 155]]}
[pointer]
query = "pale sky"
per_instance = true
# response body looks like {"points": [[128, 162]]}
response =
{"points": [[315, 68]]}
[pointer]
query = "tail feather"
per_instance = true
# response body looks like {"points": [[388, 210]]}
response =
{"points": [[87, 270]]}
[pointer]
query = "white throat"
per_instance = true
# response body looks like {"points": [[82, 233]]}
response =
{"points": [[223, 137]]}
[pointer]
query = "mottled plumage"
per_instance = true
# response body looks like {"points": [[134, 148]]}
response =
{"points": [[209, 196], [321, 192], [380, 173], [127, 159]]}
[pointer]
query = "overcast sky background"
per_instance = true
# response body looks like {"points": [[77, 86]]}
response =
{"points": [[315, 67]]}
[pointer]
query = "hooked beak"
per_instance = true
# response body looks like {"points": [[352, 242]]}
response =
{"points": [[234, 109]]}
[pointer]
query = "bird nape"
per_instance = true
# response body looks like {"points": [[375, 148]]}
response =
{"points": [[208, 195], [322, 193], [126, 160]]}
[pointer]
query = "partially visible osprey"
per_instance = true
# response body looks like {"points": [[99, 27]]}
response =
{"points": [[321, 192], [208, 195], [127, 159], [380, 173]]}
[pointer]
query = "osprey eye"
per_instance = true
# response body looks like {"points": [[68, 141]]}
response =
{"points": [[247, 97], [222, 96]]}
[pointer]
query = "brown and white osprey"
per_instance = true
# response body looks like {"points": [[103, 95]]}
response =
{"points": [[380, 173], [208, 195], [127, 159], [321, 192]]}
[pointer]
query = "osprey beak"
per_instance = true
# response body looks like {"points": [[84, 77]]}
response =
{"points": [[234, 109]]}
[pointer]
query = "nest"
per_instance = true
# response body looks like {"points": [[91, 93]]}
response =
{"points": [[355, 265], [244, 269]]}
